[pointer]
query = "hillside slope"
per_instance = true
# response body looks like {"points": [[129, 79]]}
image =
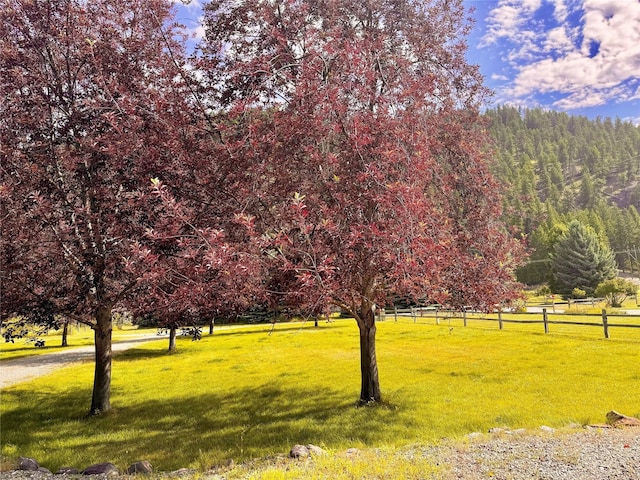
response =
{"points": [[555, 168]]}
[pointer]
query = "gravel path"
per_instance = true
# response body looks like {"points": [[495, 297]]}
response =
{"points": [[20, 370]]}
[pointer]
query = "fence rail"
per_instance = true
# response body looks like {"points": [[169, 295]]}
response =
{"points": [[542, 318]]}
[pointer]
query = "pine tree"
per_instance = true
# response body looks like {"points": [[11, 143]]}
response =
{"points": [[581, 260]]}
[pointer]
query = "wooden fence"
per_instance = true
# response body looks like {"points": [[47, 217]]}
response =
{"points": [[603, 320]]}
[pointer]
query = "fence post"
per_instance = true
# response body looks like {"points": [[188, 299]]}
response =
{"points": [[605, 323], [395, 313], [437, 319], [500, 319], [464, 317], [545, 320], [413, 314]]}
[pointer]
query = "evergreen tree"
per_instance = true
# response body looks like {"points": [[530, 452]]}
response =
{"points": [[588, 195], [581, 260]]}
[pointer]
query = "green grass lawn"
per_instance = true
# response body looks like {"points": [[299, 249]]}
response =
{"points": [[243, 393]]}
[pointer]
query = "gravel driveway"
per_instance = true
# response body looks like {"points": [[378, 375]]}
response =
{"points": [[592, 454], [20, 370]]}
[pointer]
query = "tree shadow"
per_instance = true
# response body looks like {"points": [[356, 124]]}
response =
{"points": [[269, 329], [192, 431], [134, 354]]}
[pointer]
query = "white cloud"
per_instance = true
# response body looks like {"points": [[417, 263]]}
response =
{"points": [[506, 20], [590, 63], [560, 10], [558, 41], [199, 31]]}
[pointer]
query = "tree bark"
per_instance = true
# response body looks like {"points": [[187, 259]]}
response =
{"points": [[100, 401], [370, 388], [172, 339], [211, 322], [65, 332]]}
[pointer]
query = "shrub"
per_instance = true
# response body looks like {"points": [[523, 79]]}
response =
{"points": [[616, 291], [578, 293]]}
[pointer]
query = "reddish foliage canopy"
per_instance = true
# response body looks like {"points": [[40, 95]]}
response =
{"points": [[88, 97], [358, 126], [329, 151], [197, 264], [93, 107]]}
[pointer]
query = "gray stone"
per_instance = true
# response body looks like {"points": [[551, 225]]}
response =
{"points": [[299, 451], [496, 430], [143, 466], [68, 471], [547, 429], [474, 435], [46, 471], [26, 463], [108, 469], [315, 450], [352, 452]]}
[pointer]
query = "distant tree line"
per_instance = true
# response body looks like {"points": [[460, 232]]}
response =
{"points": [[555, 169]]}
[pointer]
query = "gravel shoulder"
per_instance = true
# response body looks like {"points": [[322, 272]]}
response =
{"points": [[591, 454]]}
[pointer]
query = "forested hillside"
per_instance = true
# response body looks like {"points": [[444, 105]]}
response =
{"points": [[556, 168]]}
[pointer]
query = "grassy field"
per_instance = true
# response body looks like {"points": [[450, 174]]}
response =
{"points": [[244, 393]]}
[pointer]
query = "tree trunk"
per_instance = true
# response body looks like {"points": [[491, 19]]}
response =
{"points": [[172, 339], [211, 326], [65, 332], [370, 389], [100, 401]]}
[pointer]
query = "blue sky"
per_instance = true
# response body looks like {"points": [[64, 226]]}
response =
{"points": [[577, 56]]}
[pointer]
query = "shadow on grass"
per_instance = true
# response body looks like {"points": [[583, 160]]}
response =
{"points": [[141, 354], [192, 431], [268, 328]]}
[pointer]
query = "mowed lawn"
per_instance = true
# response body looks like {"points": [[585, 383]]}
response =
{"points": [[249, 393]]}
